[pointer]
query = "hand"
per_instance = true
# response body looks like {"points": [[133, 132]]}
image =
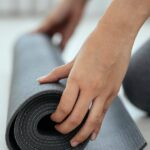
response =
{"points": [[96, 74], [94, 77], [63, 19]]}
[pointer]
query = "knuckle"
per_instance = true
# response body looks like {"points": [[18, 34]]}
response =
{"points": [[65, 94], [55, 71], [64, 110], [73, 78], [81, 137], [86, 85], [94, 86], [74, 121], [65, 99], [94, 121], [90, 86]]}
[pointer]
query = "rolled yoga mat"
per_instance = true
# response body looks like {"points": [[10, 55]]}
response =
{"points": [[137, 81], [30, 105]]}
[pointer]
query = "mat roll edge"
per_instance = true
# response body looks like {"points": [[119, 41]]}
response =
{"points": [[117, 126], [26, 91]]}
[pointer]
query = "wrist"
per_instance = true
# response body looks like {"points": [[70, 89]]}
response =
{"points": [[126, 15]]}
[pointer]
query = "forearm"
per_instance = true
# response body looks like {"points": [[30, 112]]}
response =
{"points": [[126, 15], [118, 28]]}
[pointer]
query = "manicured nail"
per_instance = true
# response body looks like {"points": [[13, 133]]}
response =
{"points": [[93, 136], [74, 143], [41, 78]]}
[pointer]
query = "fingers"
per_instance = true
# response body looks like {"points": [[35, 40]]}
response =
{"points": [[57, 74], [77, 115], [103, 112], [67, 102], [92, 124]]}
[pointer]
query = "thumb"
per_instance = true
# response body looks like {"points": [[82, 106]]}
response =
{"points": [[57, 74]]}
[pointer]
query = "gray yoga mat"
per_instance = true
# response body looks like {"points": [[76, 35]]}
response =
{"points": [[29, 126], [137, 81]]}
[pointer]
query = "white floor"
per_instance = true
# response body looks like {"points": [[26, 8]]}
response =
{"points": [[11, 29]]}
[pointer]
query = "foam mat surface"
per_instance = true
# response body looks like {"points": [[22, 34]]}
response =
{"points": [[30, 104]]}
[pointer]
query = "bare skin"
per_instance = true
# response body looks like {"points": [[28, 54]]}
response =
{"points": [[64, 19], [96, 73]]}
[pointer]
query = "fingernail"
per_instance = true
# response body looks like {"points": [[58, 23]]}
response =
{"points": [[41, 78], [74, 143], [56, 127], [93, 136]]}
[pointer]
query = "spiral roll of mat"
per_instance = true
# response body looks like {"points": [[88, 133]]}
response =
{"points": [[30, 105], [137, 81]]}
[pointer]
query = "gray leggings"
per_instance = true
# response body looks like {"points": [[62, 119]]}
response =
{"points": [[137, 80]]}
